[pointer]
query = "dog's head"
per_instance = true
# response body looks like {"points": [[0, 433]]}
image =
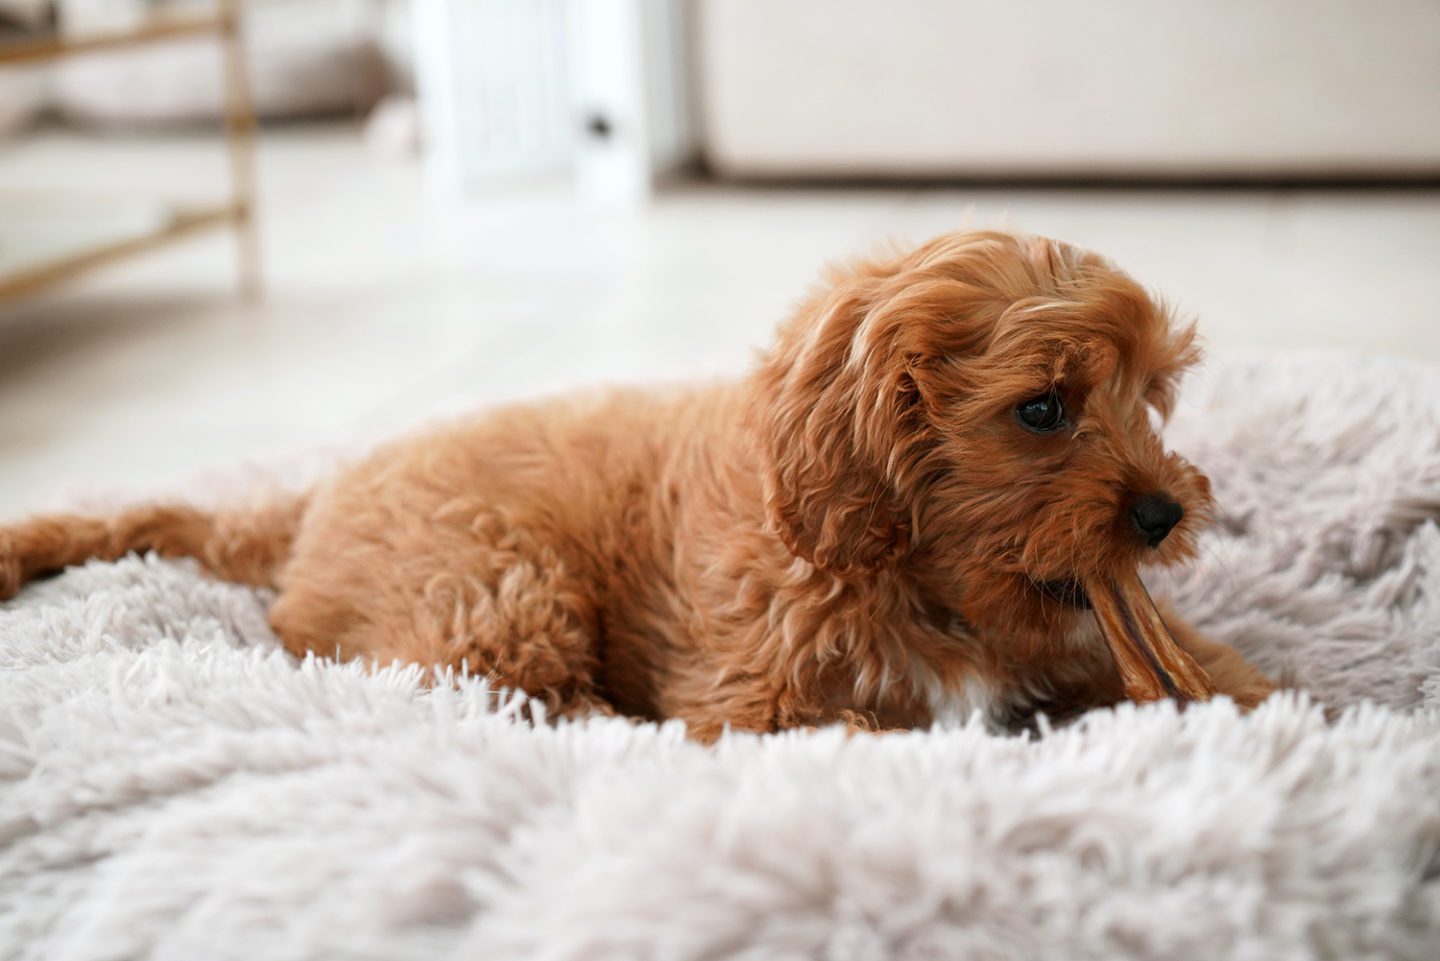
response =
{"points": [[983, 412]]}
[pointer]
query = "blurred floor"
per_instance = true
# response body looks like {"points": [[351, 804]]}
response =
{"points": [[385, 307]]}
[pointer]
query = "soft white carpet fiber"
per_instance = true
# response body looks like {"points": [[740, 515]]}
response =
{"points": [[172, 786]]}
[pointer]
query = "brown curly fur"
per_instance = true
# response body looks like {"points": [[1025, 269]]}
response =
{"points": [[850, 534]]}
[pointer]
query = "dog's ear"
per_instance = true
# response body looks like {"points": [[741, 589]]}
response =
{"points": [[842, 429]]}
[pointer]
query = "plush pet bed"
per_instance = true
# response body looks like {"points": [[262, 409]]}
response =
{"points": [[173, 786]]}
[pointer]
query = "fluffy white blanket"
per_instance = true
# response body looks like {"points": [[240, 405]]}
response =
{"points": [[173, 786]]}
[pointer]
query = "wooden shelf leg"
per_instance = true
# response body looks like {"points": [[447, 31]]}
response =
{"points": [[240, 137]]}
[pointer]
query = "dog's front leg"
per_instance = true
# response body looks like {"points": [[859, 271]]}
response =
{"points": [[1087, 678], [1231, 674]]}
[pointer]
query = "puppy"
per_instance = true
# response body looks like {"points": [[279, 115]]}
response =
{"points": [[889, 523]]}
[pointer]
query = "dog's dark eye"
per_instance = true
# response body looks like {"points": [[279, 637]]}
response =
{"points": [[1043, 414]]}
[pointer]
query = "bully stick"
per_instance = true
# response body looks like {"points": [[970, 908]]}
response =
{"points": [[1151, 664]]}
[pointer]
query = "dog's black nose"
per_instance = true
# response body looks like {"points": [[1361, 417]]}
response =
{"points": [[1155, 516]]}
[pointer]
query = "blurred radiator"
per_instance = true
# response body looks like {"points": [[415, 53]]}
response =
{"points": [[594, 88], [493, 86]]}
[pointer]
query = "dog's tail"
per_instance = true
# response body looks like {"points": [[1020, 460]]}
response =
{"points": [[245, 546]]}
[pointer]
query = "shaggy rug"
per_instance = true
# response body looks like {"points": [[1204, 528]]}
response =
{"points": [[174, 786]]}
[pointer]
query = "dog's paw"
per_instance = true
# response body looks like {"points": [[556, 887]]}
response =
{"points": [[12, 570], [10, 573], [1250, 696]]}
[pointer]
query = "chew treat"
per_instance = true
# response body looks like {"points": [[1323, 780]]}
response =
{"points": [[1151, 664]]}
